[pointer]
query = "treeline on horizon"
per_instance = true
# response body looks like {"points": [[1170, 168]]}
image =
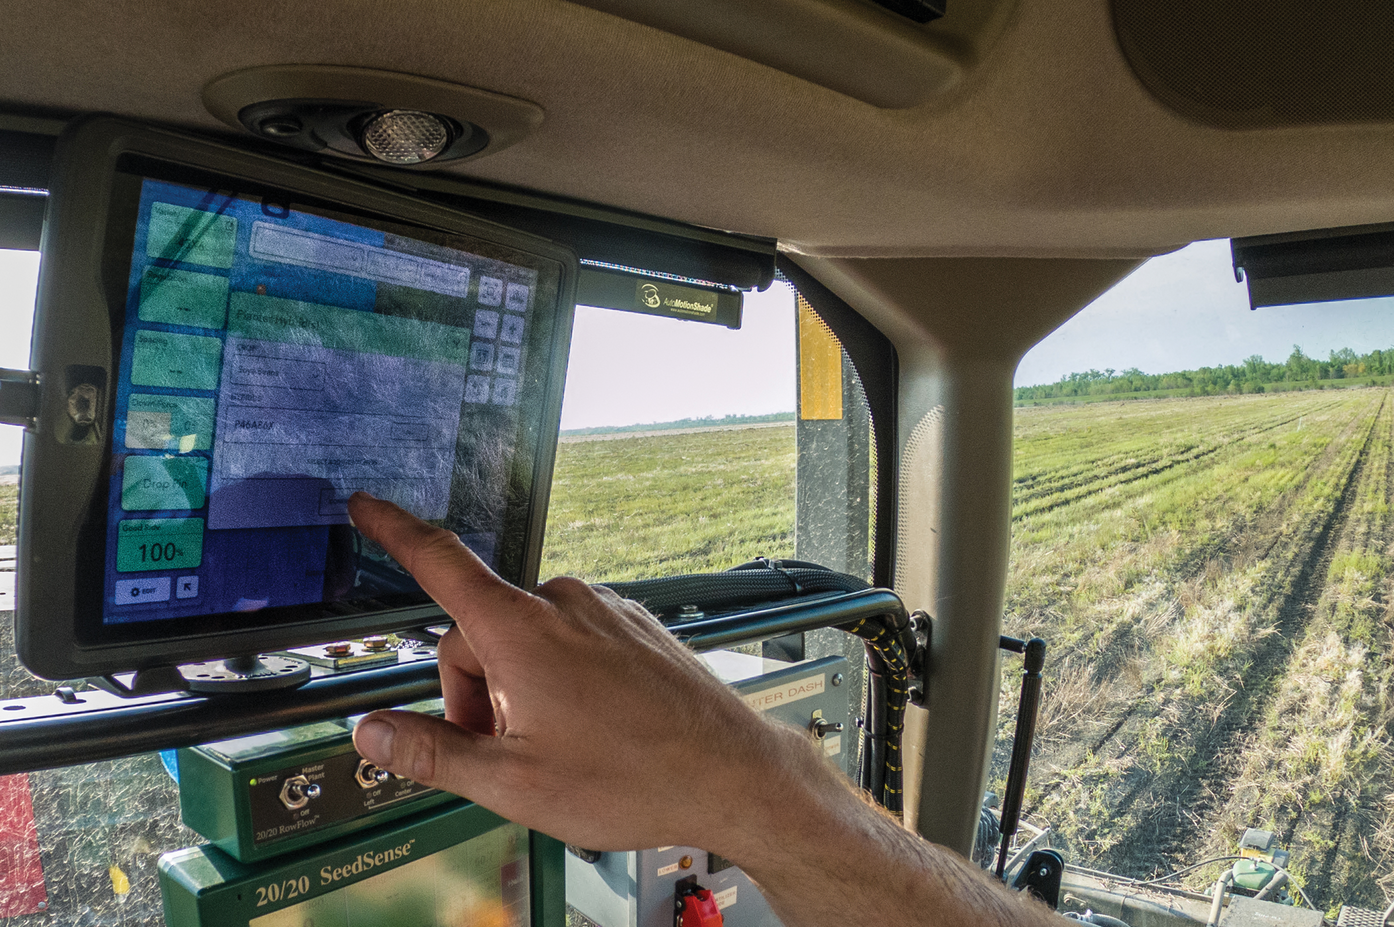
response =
{"points": [[1254, 375], [706, 421]]}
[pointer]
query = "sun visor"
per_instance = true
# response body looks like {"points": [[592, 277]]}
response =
{"points": [[24, 170], [1356, 262], [695, 301]]}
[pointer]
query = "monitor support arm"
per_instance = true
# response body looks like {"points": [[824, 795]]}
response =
{"points": [[19, 397]]}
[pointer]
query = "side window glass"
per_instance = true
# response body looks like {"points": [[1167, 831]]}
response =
{"points": [[19, 277], [82, 843], [691, 448], [1201, 533], [677, 451]]}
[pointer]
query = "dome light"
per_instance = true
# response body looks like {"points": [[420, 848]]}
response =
{"points": [[404, 136]]}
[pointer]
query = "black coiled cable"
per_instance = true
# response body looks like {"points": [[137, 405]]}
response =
{"points": [[753, 583], [888, 686], [888, 640]]}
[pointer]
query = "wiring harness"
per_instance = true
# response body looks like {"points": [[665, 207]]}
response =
{"points": [[683, 602]]}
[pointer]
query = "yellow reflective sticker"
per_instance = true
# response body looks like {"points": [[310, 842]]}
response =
{"points": [[820, 368]]}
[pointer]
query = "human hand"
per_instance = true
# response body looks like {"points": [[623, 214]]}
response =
{"points": [[574, 712], [571, 710]]}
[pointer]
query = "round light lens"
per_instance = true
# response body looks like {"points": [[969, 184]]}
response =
{"points": [[404, 136]]}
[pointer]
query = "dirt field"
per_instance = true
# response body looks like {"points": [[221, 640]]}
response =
{"points": [[1210, 575], [1212, 578], [656, 504]]}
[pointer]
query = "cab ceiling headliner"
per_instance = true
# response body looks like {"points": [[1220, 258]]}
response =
{"points": [[1051, 146]]}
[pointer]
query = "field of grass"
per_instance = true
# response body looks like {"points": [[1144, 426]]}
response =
{"points": [[632, 507], [1212, 578], [9, 511], [1181, 392], [1211, 575]]}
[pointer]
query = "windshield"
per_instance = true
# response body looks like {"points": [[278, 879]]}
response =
{"points": [[677, 444], [1201, 533]]}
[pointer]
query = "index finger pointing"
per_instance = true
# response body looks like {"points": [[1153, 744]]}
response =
{"points": [[449, 571]]}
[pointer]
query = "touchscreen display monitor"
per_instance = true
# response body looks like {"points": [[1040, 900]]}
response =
{"points": [[229, 346], [275, 359]]}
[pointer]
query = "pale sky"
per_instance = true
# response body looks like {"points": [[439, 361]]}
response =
{"points": [[628, 368], [1177, 312], [19, 275], [1184, 310]]}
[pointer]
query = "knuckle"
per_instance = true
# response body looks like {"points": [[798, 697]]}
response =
{"points": [[609, 595], [450, 643], [565, 587], [435, 544], [418, 755]]}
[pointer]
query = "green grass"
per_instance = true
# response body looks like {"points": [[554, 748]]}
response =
{"points": [[1200, 680], [1211, 576], [633, 507], [9, 512]]}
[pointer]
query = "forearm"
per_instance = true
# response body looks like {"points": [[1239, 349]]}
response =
{"points": [[573, 711], [823, 856]]}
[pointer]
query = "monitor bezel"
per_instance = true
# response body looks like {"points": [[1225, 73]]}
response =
{"points": [[64, 486]]}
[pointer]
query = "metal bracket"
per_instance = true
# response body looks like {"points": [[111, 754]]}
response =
{"points": [[430, 636], [19, 397], [922, 627], [87, 725], [158, 680]]}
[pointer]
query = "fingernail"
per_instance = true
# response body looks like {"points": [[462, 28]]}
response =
{"points": [[374, 740]]}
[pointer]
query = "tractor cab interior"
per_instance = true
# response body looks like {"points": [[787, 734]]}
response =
{"points": [[718, 304]]}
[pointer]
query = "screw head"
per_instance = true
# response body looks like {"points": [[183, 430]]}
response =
{"points": [[837, 679], [282, 125]]}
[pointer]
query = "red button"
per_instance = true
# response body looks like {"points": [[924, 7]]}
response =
{"points": [[22, 888], [699, 910]]}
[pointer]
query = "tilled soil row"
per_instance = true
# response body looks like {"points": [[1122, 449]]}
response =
{"points": [[1317, 766], [1051, 494], [1101, 472], [1138, 793], [1251, 537]]}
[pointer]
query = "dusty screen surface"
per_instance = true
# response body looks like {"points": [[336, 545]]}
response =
{"points": [[273, 361]]}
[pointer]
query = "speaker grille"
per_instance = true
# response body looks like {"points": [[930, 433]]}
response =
{"points": [[1259, 63]]}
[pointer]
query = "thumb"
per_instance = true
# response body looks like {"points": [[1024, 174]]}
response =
{"points": [[425, 749]]}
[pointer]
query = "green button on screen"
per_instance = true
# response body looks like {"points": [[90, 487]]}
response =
{"points": [[159, 544], [164, 483], [178, 361], [193, 236], [181, 297], [169, 423]]}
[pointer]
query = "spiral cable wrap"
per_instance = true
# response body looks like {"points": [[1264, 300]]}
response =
{"points": [[888, 640], [888, 669]]}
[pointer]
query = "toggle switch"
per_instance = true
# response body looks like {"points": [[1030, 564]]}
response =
{"points": [[297, 792], [697, 908], [370, 774], [821, 727]]}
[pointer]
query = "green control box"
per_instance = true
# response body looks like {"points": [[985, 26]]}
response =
{"points": [[260, 796], [442, 867]]}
